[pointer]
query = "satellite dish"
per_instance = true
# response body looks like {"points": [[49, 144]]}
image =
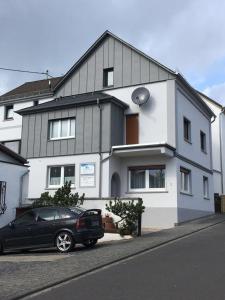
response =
{"points": [[140, 96]]}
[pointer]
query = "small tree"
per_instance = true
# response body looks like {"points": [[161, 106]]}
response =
{"points": [[129, 212], [62, 197]]}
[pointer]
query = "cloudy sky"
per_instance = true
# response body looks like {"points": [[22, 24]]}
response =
{"points": [[40, 35]]}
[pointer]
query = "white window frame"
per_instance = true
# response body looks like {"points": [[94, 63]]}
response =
{"points": [[62, 176], [59, 137], [147, 188], [182, 179], [206, 188]]}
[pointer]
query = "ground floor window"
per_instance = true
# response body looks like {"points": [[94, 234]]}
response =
{"points": [[147, 177], [185, 180], [59, 175], [205, 187]]}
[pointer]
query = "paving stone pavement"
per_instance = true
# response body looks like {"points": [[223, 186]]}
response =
{"points": [[21, 277]]}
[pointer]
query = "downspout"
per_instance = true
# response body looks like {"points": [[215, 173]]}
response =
{"points": [[21, 187], [221, 156], [100, 149]]}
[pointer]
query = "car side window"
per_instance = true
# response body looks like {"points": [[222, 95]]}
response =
{"points": [[48, 214], [66, 214], [27, 218]]}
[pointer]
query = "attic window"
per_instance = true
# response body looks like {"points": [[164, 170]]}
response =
{"points": [[108, 77], [9, 112]]}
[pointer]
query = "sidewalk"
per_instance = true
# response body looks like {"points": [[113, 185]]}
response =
{"points": [[21, 278]]}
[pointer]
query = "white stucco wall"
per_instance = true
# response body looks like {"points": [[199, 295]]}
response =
{"points": [[199, 123], [11, 129], [154, 120], [12, 175], [38, 174]]}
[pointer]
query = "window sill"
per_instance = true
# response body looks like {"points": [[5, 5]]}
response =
{"points": [[62, 138], [188, 141], [203, 151], [206, 198], [58, 187], [186, 193], [147, 191]]}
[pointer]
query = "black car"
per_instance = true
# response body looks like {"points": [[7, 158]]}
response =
{"points": [[52, 226]]}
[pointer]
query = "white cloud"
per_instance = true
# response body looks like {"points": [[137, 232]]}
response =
{"points": [[216, 92]]}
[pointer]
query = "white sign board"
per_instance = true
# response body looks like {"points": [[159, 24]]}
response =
{"points": [[87, 169], [87, 181]]}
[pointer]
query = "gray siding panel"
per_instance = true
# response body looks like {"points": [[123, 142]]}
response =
{"points": [[25, 134], [106, 127], [99, 69], [87, 129], [130, 67], [80, 130], [95, 129], [35, 139], [136, 67], [126, 66], [118, 64], [30, 147]]}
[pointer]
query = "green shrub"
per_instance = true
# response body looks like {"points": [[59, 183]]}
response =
{"points": [[62, 197], [129, 213]]}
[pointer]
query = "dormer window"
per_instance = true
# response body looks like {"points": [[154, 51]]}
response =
{"points": [[108, 77], [9, 112]]}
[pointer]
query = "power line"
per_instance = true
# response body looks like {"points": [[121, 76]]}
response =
{"points": [[26, 71]]}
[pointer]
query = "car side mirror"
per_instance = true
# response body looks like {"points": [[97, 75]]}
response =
{"points": [[11, 225]]}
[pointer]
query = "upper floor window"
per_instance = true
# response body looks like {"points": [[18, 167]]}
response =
{"points": [[9, 112], [147, 178], [187, 130], [62, 129], [108, 77], [203, 141], [185, 180], [59, 175]]}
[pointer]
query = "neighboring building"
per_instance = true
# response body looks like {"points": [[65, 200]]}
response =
{"points": [[218, 144], [95, 136], [13, 183], [28, 94]]}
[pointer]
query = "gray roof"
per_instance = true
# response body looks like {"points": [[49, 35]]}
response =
{"points": [[13, 154], [32, 88], [73, 101]]}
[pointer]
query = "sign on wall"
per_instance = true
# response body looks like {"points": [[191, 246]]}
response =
{"points": [[87, 175]]}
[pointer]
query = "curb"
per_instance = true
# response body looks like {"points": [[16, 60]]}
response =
{"points": [[65, 280]]}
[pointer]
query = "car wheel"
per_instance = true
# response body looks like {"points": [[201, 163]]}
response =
{"points": [[64, 242], [90, 243]]}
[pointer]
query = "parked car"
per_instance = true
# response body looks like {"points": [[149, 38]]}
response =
{"points": [[52, 226]]}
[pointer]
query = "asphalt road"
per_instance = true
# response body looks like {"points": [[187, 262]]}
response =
{"points": [[187, 269]]}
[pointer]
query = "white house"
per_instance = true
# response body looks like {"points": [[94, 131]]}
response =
{"points": [[94, 135], [218, 144], [13, 183]]}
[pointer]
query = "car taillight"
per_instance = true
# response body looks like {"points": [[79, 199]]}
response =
{"points": [[80, 223]]}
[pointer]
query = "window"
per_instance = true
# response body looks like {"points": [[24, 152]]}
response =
{"points": [[185, 180], [147, 178], [9, 112], [59, 175], [35, 103], [61, 129], [187, 130], [66, 213], [205, 187], [13, 145], [108, 77], [48, 214], [26, 218], [203, 141]]}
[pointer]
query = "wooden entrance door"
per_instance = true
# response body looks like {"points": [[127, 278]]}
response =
{"points": [[132, 129]]}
